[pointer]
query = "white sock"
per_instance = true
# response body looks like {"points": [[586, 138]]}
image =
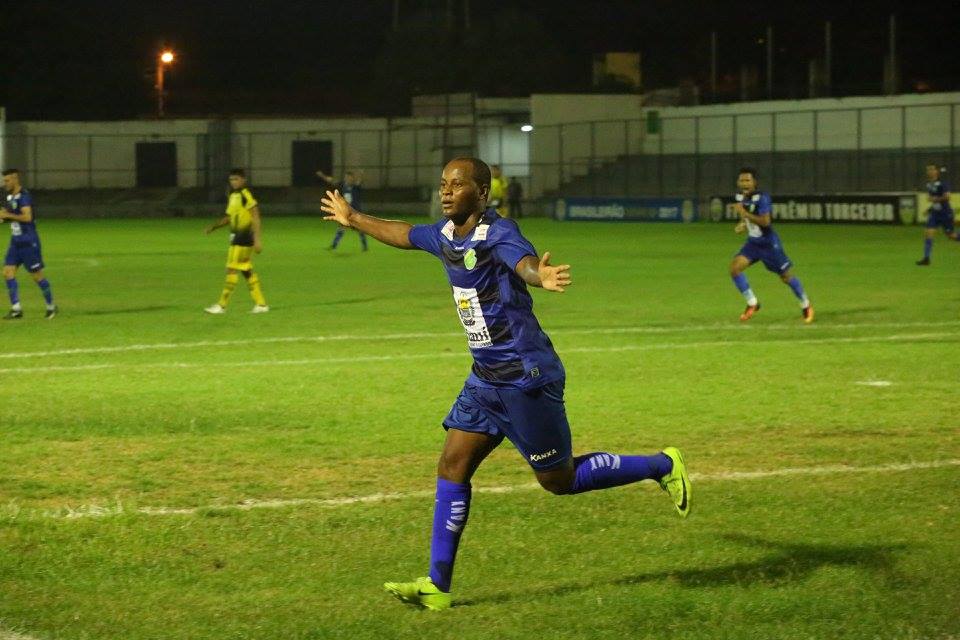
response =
{"points": [[15, 307], [750, 298]]}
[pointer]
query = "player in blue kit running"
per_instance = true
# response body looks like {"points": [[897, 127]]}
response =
{"points": [[24, 246], [515, 387], [940, 213], [763, 243]]}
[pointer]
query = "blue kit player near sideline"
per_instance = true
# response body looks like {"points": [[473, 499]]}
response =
{"points": [[763, 244], [24, 246], [940, 213], [351, 188], [515, 387]]}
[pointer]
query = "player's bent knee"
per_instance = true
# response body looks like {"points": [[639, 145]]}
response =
{"points": [[556, 487], [559, 482]]}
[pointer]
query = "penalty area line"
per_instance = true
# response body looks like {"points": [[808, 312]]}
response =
{"points": [[373, 337], [100, 511], [13, 635], [907, 337]]}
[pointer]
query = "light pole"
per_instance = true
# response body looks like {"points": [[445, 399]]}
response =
{"points": [[165, 58]]}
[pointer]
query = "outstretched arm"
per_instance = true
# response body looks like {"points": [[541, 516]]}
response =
{"points": [[392, 232], [540, 273]]}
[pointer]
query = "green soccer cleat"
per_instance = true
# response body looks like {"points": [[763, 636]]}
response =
{"points": [[677, 482], [422, 593]]}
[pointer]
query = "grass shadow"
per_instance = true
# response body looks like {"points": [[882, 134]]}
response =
{"points": [[110, 312], [330, 303], [850, 312], [785, 562]]}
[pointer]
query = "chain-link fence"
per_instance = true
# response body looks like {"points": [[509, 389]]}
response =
{"points": [[829, 150]]}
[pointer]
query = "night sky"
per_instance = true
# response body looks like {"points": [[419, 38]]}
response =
{"points": [[95, 59]]}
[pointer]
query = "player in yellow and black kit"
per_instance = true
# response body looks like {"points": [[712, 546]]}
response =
{"points": [[243, 216]]}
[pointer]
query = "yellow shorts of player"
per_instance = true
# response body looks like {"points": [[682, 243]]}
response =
{"points": [[238, 258]]}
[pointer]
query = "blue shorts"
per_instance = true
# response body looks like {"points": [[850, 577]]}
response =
{"points": [[772, 255], [535, 420], [943, 219], [27, 255]]}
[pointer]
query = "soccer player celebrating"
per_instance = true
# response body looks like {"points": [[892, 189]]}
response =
{"points": [[515, 387], [243, 216], [763, 243], [940, 213], [24, 246]]}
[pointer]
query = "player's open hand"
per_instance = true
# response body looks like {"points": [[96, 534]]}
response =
{"points": [[553, 278], [741, 227], [336, 208]]}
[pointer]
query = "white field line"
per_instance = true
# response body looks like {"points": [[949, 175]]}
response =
{"points": [[735, 328], [465, 354], [96, 511], [13, 635]]}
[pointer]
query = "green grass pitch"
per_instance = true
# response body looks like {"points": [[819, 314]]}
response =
{"points": [[169, 474]]}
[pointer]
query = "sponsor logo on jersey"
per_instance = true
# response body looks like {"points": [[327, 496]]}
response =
{"points": [[471, 317]]}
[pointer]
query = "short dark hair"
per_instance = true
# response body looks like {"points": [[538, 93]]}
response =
{"points": [[10, 171], [750, 170], [237, 171], [480, 170]]}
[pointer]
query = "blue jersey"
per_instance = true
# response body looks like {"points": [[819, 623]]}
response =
{"points": [[939, 188], [508, 346], [758, 204], [352, 194], [21, 232]]}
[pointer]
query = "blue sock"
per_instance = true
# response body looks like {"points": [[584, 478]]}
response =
{"points": [[14, 290], [337, 237], [740, 281], [798, 291], [604, 470], [45, 288], [927, 247], [363, 241], [449, 519]]}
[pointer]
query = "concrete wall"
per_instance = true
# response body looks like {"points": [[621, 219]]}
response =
{"points": [[908, 121], [396, 152], [70, 155], [577, 135], [573, 136]]}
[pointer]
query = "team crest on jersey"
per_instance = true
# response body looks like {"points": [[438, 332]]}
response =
{"points": [[470, 259]]}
